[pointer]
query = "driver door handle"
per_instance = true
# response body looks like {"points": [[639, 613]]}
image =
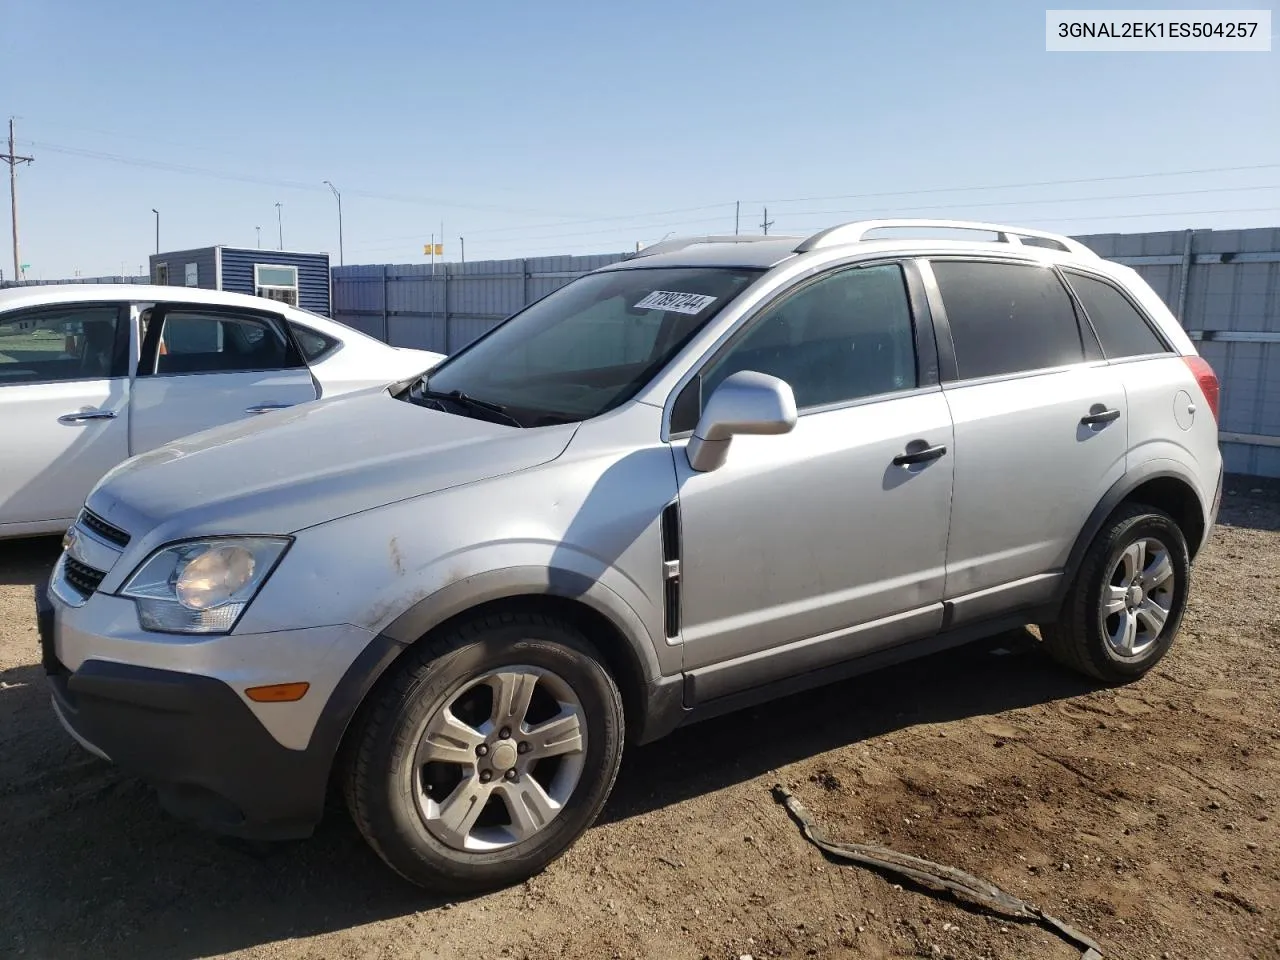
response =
{"points": [[266, 407], [1097, 419], [84, 415], [919, 456]]}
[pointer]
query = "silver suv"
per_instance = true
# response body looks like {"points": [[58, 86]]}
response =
{"points": [[726, 468]]}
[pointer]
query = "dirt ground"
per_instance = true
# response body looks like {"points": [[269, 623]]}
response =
{"points": [[1147, 816]]}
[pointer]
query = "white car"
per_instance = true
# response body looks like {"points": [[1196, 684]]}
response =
{"points": [[91, 375]]}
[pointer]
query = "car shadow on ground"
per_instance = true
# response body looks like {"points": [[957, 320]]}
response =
{"points": [[26, 562], [94, 868]]}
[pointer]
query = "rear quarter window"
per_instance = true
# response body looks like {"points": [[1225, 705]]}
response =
{"points": [[313, 344], [1121, 329]]}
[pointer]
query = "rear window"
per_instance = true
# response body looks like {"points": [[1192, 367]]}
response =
{"points": [[1122, 330], [1007, 317]]}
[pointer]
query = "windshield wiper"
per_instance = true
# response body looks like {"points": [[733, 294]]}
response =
{"points": [[422, 391]]}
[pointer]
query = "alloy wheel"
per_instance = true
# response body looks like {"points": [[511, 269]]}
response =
{"points": [[498, 761]]}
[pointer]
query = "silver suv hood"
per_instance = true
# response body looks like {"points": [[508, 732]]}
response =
{"points": [[281, 472]]}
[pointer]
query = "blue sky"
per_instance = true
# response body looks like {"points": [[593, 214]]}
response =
{"points": [[584, 127]]}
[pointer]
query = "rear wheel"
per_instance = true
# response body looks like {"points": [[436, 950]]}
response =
{"points": [[1123, 611], [487, 753]]}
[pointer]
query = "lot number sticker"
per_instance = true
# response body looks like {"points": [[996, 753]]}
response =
{"points": [[674, 302]]}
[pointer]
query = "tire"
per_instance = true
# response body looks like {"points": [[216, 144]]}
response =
{"points": [[1093, 643], [400, 775]]}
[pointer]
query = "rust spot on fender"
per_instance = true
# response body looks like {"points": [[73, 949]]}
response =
{"points": [[396, 560]]}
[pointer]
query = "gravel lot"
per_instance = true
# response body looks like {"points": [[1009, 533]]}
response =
{"points": [[1148, 816]]}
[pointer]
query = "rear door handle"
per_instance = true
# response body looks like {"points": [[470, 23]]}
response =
{"points": [[84, 415], [1095, 419], [267, 407], [919, 456]]}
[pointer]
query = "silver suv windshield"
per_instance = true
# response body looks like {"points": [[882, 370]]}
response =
{"points": [[584, 349]]}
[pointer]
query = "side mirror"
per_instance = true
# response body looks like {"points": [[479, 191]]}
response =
{"points": [[746, 402]]}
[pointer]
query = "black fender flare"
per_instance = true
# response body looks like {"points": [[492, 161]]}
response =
{"points": [[1117, 494]]}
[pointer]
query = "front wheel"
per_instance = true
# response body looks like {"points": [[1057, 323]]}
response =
{"points": [[487, 753], [1123, 611]]}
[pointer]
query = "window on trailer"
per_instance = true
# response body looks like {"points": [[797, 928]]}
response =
{"points": [[276, 282]]}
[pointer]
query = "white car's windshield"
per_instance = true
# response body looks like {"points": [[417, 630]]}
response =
{"points": [[587, 347]]}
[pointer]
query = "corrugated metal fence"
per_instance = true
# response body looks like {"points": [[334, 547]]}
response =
{"points": [[5, 284], [445, 307], [1224, 286]]}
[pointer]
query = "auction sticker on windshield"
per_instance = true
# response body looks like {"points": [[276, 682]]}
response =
{"points": [[675, 302]]}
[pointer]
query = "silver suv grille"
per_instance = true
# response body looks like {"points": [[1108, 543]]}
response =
{"points": [[82, 577], [107, 531]]}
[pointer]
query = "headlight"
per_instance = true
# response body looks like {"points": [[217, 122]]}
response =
{"points": [[202, 586]]}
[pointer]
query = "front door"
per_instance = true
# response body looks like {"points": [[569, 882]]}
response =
{"points": [[205, 366], [64, 409], [816, 546]]}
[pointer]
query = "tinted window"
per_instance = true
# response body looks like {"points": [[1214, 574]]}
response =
{"points": [[312, 343], [845, 336], [1006, 318], [195, 342], [1120, 327], [64, 343], [591, 344]]}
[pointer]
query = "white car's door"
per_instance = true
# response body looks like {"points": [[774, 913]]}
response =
{"points": [[203, 366], [64, 409]]}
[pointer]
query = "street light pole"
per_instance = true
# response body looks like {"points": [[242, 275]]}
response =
{"points": [[280, 222], [259, 229], [157, 213], [338, 197]]}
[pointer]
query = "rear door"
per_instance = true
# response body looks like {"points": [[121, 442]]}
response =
{"points": [[64, 405], [1040, 429], [203, 366]]}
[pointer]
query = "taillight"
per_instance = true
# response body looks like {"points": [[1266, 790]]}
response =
{"points": [[1207, 379]]}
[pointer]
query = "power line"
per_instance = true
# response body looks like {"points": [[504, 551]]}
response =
{"points": [[1046, 223], [1030, 202], [168, 167], [620, 218], [374, 246], [1019, 186]]}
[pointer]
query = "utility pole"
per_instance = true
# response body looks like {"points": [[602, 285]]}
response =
{"points": [[280, 222], [766, 223], [13, 160], [338, 197], [737, 211], [259, 229], [157, 213], [462, 248]]}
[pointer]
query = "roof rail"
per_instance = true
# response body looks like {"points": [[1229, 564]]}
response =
{"points": [[857, 230], [679, 243]]}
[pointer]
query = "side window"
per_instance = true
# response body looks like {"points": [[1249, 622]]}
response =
{"points": [[194, 341], [312, 343], [844, 336], [75, 342], [1007, 317], [1121, 328]]}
